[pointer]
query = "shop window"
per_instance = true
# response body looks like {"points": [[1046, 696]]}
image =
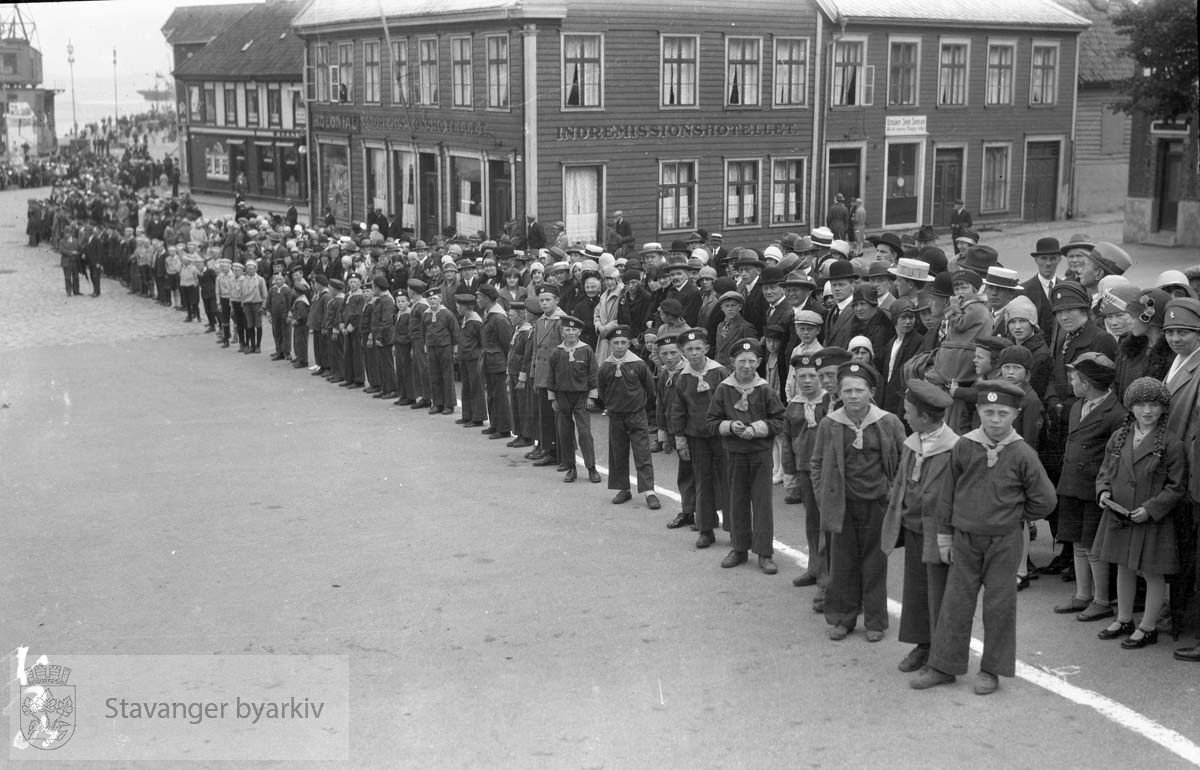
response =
{"points": [[427, 50], [741, 193], [677, 195], [345, 85], [903, 61], [267, 178], [679, 63], [292, 171], [787, 190], [251, 105], [377, 187], [742, 67], [1001, 58], [791, 72], [216, 161], [583, 76], [399, 72], [1043, 86], [901, 190], [995, 177], [371, 72], [497, 72], [952, 74], [460, 71], [853, 82], [466, 195], [274, 106], [335, 180]]}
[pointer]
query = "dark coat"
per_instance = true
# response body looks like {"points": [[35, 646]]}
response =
{"points": [[1090, 338], [1084, 450], [891, 397], [1045, 311]]}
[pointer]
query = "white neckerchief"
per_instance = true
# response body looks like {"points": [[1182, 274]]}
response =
{"points": [[992, 448]]}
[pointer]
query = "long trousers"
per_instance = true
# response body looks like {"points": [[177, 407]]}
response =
{"points": [[474, 408], [628, 431], [422, 391], [752, 522], [71, 280], [318, 345], [441, 376], [385, 365], [522, 415], [858, 569], [403, 354], [280, 334], [333, 347], [300, 343], [495, 390], [711, 480], [547, 423], [370, 362], [351, 358], [574, 418], [226, 315], [924, 587], [94, 274], [818, 556]]}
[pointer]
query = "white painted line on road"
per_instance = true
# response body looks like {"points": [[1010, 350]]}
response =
{"points": [[1116, 712]]}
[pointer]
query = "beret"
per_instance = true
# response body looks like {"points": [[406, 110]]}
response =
{"points": [[434, 292], [804, 360], [489, 291], [321, 278], [775, 332], [666, 339], [692, 335], [865, 371], [1000, 392], [531, 306], [671, 307], [547, 288], [926, 394], [570, 322], [335, 283], [992, 344], [381, 283]]}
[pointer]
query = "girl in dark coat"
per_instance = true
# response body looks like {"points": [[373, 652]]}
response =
{"points": [[1142, 480]]}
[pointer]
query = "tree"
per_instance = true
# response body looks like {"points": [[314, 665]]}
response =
{"points": [[1162, 42]]}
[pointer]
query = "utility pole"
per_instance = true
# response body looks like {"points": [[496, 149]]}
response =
{"points": [[71, 63], [114, 89]]}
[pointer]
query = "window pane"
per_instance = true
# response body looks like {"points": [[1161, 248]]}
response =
{"points": [[581, 71], [791, 75], [497, 48], [679, 71], [952, 79]]}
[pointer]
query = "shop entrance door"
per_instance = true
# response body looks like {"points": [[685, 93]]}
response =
{"points": [[429, 198], [947, 184], [845, 171], [1170, 183]]}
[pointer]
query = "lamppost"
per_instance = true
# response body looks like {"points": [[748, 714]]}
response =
{"points": [[71, 62], [114, 89]]}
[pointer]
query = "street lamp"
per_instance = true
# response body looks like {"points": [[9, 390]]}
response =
{"points": [[114, 89], [71, 62]]}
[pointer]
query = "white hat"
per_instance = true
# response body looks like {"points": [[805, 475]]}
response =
{"points": [[912, 269], [1002, 278], [841, 247], [700, 253], [773, 252], [861, 342]]}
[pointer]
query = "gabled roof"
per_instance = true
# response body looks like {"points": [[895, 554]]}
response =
{"points": [[261, 44], [191, 24], [1102, 58], [324, 13], [961, 13]]}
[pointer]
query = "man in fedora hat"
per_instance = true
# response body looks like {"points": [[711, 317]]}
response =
{"points": [[749, 267], [1103, 260], [960, 220], [839, 323], [978, 259], [1047, 254], [888, 247]]}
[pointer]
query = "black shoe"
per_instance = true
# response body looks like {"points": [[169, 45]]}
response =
{"points": [[1068, 574], [461, 422], [594, 476], [706, 539], [1148, 638], [569, 476], [621, 497], [1022, 583], [804, 580], [652, 502], [472, 424], [563, 468], [435, 410], [299, 364], [535, 454], [498, 436], [1188, 654], [521, 443], [734, 558], [681, 519], [422, 404], [372, 389], [545, 461], [915, 660], [488, 431], [793, 499], [1122, 629]]}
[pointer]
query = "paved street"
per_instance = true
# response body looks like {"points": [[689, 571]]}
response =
{"points": [[161, 495]]}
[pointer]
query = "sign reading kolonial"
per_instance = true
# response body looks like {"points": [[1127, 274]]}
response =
{"points": [[359, 122], [676, 131]]}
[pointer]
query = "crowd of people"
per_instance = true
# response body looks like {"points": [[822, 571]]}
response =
{"points": [[913, 399]]}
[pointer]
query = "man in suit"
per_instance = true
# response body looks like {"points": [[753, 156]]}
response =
{"points": [[718, 252], [778, 310], [749, 267], [839, 323], [623, 229], [838, 218], [960, 220], [93, 252], [1047, 255], [69, 250], [684, 290]]}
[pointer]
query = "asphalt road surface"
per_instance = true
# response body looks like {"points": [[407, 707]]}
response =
{"points": [[161, 495]]}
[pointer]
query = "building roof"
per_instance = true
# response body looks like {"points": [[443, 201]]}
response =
{"points": [[968, 13], [191, 24], [1102, 58], [326, 13], [261, 45]]}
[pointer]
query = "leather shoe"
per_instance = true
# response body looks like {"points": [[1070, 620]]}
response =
{"points": [[1148, 638], [563, 468], [680, 520], [1122, 629], [804, 580], [420, 404], [915, 660], [544, 461], [535, 454], [1188, 654], [986, 683], [623, 496], [706, 539], [1095, 612], [874, 635], [837, 633], [435, 410], [521, 443], [488, 431], [930, 677], [569, 476], [734, 558], [594, 476], [1072, 607], [767, 565], [498, 436], [652, 502]]}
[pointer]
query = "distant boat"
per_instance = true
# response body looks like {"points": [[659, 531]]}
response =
{"points": [[157, 94]]}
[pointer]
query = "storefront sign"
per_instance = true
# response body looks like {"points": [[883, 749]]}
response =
{"points": [[357, 123], [904, 125], [677, 131]]}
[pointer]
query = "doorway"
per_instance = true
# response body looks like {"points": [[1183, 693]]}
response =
{"points": [[1041, 181], [1170, 183], [845, 172], [499, 195], [947, 183], [429, 197]]}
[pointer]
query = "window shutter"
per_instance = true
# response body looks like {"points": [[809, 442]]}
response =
{"points": [[868, 92]]}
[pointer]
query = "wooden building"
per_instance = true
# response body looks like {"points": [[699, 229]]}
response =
{"points": [[464, 115], [924, 103], [242, 112], [1162, 206]]}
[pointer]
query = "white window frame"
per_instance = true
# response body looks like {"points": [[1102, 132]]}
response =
{"points": [[346, 73], [1011, 44], [693, 208], [562, 73], [904, 40], [758, 223], [1058, 63], [919, 166], [1007, 178], [864, 95], [399, 71], [757, 103], [432, 97], [803, 187], [965, 42], [806, 69], [662, 73], [494, 66], [366, 44], [462, 76]]}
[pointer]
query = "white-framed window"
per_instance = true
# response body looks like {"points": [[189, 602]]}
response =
{"points": [[274, 105], [743, 71], [997, 163], [680, 64], [497, 71], [345, 93], [371, 72], [251, 104], [789, 178], [677, 187], [741, 193], [582, 71], [231, 110], [904, 70], [321, 72], [1001, 65], [427, 71], [195, 104], [400, 71], [1043, 73], [460, 71], [791, 72], [853, 81], [952, 71]]}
